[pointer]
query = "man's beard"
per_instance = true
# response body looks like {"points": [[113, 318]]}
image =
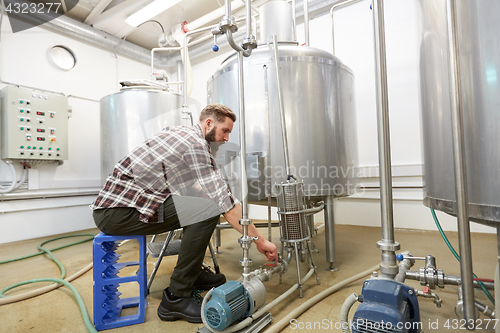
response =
{"points": [[210, 137]]}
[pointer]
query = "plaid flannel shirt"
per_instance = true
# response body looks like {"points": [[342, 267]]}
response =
{"points": [[177, 161]]}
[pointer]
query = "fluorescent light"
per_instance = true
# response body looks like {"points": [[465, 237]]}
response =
{"points": [[154, 8]]}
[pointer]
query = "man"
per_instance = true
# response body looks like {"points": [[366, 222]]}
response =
{"points": [[168, 182]]}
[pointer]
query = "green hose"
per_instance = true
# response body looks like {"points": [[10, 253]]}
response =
{"points": [[83, 310], [486, 292]]}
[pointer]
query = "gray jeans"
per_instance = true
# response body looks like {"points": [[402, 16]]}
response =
{"points": [[198, 218]]}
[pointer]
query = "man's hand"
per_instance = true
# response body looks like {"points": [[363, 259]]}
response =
{"points": [[267, 248]]}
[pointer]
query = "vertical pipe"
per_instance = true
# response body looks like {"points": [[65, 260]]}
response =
{"points": [[228, 8], [306, 21], [180, 75], [388, 266], [334, 7], [330, 232], [249, 19], [497, 281], [294, 20], [282, 106], [243, 160], [460, 165]]}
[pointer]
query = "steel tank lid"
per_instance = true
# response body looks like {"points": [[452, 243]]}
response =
{"points": [[144, 89], [287, 52]]}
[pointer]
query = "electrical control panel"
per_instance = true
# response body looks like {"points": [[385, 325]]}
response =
{"points": [[34, 126]]}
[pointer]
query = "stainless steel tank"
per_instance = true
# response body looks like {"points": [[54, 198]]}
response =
{"points": [[479, 49], [318, 91], [133, 115]]}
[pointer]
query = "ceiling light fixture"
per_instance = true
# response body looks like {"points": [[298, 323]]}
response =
{"points": [[151, 10]]}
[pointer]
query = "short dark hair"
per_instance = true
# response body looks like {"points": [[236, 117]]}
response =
{"points": [[217, 112]]}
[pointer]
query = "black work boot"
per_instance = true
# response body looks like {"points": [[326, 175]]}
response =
{"points": [[172, 308], [207, 280]]}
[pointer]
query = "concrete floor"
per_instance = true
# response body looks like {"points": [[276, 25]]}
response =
{"points": [[57, 311]]}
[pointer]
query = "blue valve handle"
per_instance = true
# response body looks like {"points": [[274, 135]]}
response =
{"points": [[215, 48]]}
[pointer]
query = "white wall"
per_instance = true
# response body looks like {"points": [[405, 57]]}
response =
{"points": [[24, 61]]}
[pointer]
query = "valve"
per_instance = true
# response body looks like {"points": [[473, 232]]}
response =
{"points": [[215, 47]]}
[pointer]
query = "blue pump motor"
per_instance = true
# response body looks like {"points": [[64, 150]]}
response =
{"points": [[387, 307], [234, 301]]}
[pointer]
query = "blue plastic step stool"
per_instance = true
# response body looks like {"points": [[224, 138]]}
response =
{"points": [[107, 302]]}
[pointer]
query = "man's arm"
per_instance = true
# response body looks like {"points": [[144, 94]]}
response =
{"points": [[263, 245]]}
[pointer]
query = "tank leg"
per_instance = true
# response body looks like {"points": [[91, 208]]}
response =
{"points": [[330, 233], [217, 241], [297, 260], [308, 243]]}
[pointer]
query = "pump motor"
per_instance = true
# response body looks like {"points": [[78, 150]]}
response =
{"points": [[234, 301]]}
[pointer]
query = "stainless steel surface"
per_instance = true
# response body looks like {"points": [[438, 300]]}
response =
{"points": [[242, 128], [478, 30], [332, 10], [131, 116], [275, 18], [459, 165], [294, 19], [331, 255], [388, 266], [306, 21], [292, 211], [318, 92], [282, 107]]}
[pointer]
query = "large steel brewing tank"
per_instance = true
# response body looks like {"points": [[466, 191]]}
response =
{"points": [[318, 93], [133, 115], [479, 48]]}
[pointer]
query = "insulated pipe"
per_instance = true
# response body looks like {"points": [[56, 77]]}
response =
{"points": [[338, 6], [344, 312], [388, 266], [306, 21], [15, 184], [460, 168], [294, 314], [282, 106]]}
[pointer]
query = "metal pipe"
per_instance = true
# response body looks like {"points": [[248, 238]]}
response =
{"points": [[228, 8], [314, 210], [338, 6], [153, 50], [388, 266], [330, 233], [306, 21], [243, 140], [486, 310], [452, 280], [282, 106], [180, 75], [236, 47], [249, 19], [294, 20], [460, 168]]}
